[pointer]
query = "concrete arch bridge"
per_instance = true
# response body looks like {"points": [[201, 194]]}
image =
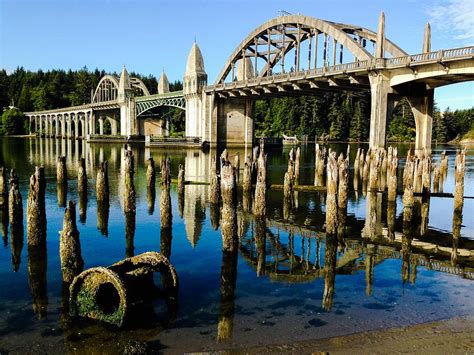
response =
{"points": [[288, 55]]}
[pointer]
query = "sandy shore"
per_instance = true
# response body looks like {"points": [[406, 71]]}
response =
{"points": [[453, 336]]}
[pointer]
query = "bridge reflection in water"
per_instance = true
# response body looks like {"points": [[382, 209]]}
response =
{"points": [[288, 248]]}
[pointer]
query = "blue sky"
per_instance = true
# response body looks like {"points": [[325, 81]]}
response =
{"points": [[148, 36]]}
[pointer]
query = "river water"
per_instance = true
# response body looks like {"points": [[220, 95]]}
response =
{"points": [[273, 291]]}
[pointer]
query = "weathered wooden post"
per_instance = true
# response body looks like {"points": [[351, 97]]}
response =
{"points": [[260, 201], [436, 178], [214, 186], [391, 215], [15, 201], [444, 163], [166, 216], [229, 208], [392, 174], [297, 166], [237, 166], [3, 186], [331, 199], [72, 263], [61, 170], [459, 169], [102, 182], [320, 158], [16, 220], [35, 209], [426, 175], [343, 175], [247, 179], [129, 169], [375, 167], [408, 177], [82, 189]]}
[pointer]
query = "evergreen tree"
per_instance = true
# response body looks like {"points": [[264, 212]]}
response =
{"points": [[12, 122]]}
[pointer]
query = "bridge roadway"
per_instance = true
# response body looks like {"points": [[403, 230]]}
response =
{"points": [[354, 76]]}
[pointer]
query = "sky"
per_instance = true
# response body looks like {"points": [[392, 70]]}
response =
{"points": [[149, 36]]}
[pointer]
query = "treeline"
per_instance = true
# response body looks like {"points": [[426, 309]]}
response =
{"points": [[346, 117], [45, 90]]}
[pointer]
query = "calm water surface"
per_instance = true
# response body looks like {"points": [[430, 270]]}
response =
{"points": [[275, 290]]}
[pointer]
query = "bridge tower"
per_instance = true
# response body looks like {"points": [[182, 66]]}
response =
{"points": [[126, 100], [195, 79], [163, 84]]}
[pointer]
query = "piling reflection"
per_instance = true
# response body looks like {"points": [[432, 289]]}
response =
{"points": [[4, 223], [151, 196], [62, 194], [329, 271], [260, 241], [103, 217], [37, 270], [227, 290], [130, 233]]}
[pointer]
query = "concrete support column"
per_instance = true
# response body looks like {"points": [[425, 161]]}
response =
{"points": [[381, 108], [422, 108], [57, 126], [101, 126], [63, 127], [76, 127], [92, 124], [69, 128], [113, 127]]}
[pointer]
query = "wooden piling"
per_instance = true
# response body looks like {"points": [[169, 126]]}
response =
{"points": [[3, 185], [82, 177], [229, 207], [436, 178], [247, 179], [165, 198], [260, 201], [297, 166], [214, 187], [237, 166], [102, 182], [36, 210], [129, 171], [15, 201], [320, 158], [343, 177], [331, 201], [459, 169], [72, 263], [392, 174], [61, 170]]}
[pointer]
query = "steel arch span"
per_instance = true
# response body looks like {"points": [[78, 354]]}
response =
{"points": [[272, 41]]}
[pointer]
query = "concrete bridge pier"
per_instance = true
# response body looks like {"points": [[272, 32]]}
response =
{"points": [[234, 122], [383, 102], [422, 108]]}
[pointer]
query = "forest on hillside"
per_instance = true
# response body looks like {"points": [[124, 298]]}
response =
{"points": [[339, 117]]}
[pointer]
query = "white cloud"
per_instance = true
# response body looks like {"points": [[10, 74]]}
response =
{"points": [[455, 18]]}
